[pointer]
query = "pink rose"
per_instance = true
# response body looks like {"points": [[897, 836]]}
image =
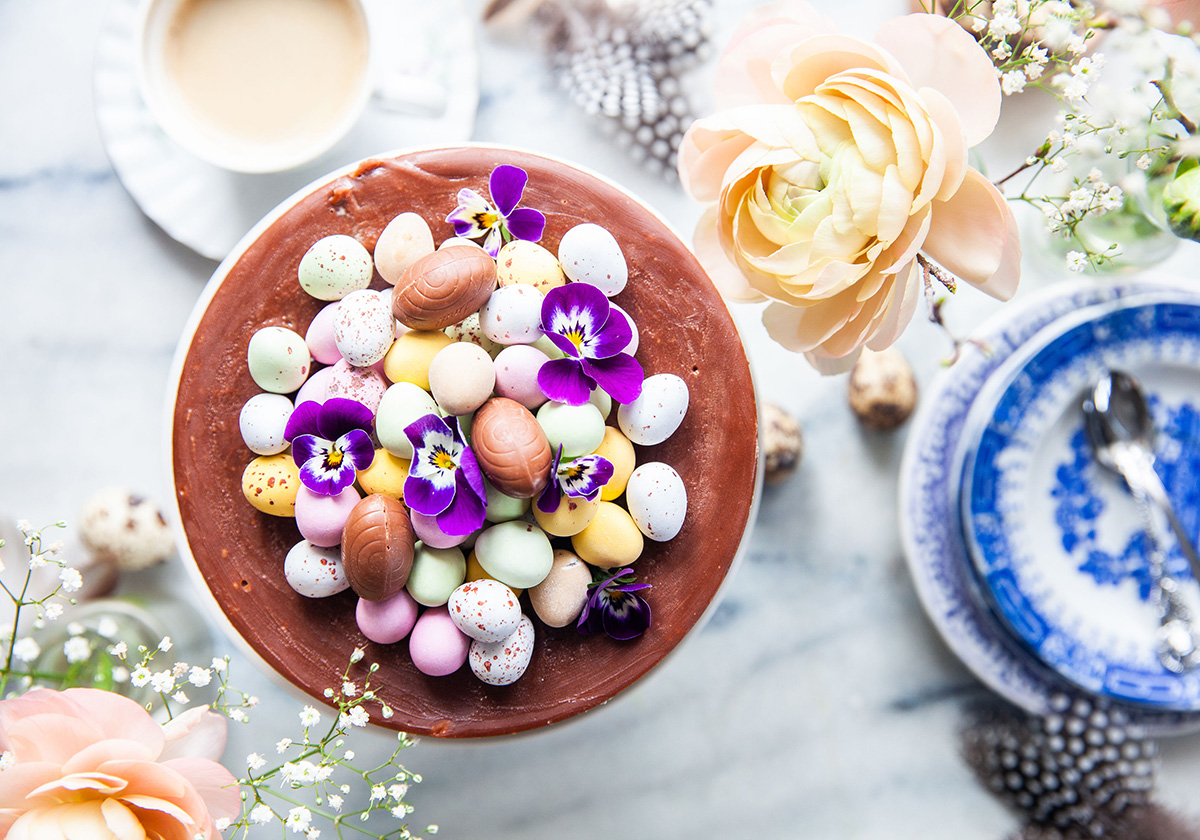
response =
{"points": [[833, 162], [89, 763]]}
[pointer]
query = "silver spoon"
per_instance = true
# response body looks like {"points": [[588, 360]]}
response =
{"points": [[1121, 431]]}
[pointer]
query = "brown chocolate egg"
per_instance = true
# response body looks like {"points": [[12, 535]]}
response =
{"points": [[377, 547], [511, 447], [442, 288]]}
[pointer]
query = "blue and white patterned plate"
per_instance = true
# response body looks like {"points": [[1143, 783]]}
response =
{"points": [[929, 498], [1056, 541]]}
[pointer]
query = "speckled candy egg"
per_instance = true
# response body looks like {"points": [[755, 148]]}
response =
{"points": [[278, 359], [522, 261], [656, 414], [486, 610], [516, 374], [334, 267], [513, 315], [468, 329], [657, 500], [271, 482], [405, 240], [461, 377], [315, 572], [515, 553], [263, 420], [590, 254], [363, 328], [437, 647], [503, 662], [125, 528], [361, 384], [321, 519], [401, 405]]}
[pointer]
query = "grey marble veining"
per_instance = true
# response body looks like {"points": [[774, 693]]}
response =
{"points": [[817, 702]]}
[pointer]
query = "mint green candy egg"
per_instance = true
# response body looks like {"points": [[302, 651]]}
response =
{"points": [[502, 507], [334, 267], [278, 359], [579, 428], [401, 405], [515, 553], [436, 573]]}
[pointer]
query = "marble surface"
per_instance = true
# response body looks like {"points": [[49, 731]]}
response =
{"points": [[818, 702]]}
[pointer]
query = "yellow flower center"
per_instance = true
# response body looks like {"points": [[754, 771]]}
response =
{"points": [[334, 458], [486, 219], [576, 337], [442, 460]]}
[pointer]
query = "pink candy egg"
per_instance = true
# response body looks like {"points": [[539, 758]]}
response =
{"points": [[321, 519], [364, 384], [388, 621], [437, 647], [428, 532], [517, 368], [313, 389], [319, 337]]}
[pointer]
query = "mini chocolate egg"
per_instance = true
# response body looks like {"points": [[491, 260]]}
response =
{"points": [[363, 328], [517, 368], [522, 261], [461, 377], [388, 621], [618, 451], [502, 507], [319, 336], [401, 405], [558, 600], [436, 572], [432, 535], [386, 474], [278, 359], [486, 610], [401, 243], [656, 414], [263, 420], [590, 254], [322, 518], [468, 329], [270, 483], [513, 315], [503, 662], [657, 500], [573, 514], [611, 540], [377, 547], [437, 647], [361, 384], [314, 388], [444, 287], [578, 428], [313, 571], [408, 358], [334, 267], [511, 447], [515, 553]]}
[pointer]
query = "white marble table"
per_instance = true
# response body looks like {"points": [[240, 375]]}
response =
{"points": [[818, 702]]}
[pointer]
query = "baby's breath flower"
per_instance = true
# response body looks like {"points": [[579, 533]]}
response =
{"points": [[309, 716], [25, 527], [1012, 82], [1076, 260], [237, 715], [398, 791], [7, 759], [251, 701], [298, 819], [72, 581], [262, 814], [27, 649], [349, 755], [387, 712], [165, 644], [180, 697], [37, 561], [119, 650], [349, 689], [162, 682], [199, 677], [312, 834], [282, 744], [378, 793], [400, 811], [255, 761], [1143, 162], [222, 823], [77, 649], [140, 676], [335, 802], [219, 665], [357, 656], [329, 692], [355, 717], [120, 674]]}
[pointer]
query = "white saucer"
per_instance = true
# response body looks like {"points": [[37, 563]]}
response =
{"points": [[209, 209]]}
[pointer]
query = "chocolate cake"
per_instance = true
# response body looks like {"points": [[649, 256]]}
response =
{"points": [[685, 329]]}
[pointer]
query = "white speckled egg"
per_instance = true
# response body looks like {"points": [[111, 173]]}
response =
{"points": [[364, 384], [657, 500], [402, 404], [405, 240], [513, 315], [263, 420], [468, 329], [315, 572], [503, 662], [278, 359], [363, 327], [486, 610], [334, 267], [656, 414], [588, 253]]}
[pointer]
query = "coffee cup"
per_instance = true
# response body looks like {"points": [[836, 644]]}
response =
{"points": [[261, 86]]}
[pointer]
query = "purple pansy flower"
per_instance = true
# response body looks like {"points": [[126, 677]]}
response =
{"points": [[444, 480], [615, 608], [583, 476], [580, 321], [330, 443], [503, 221]]}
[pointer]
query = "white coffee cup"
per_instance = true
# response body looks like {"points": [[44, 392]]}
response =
{"points": [[263, 85]]}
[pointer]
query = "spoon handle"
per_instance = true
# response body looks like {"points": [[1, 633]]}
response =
{"points": [[1141, 472]]}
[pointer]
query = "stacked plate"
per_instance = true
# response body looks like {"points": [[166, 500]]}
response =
{"points": [[1029, 558]]}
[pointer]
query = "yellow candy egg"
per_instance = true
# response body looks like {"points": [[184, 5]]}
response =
{"points": [[270, 484], [385, 476], [475, 572], [619, 451], [410, 355], [611, 540], [572, 516], [521, 261]]}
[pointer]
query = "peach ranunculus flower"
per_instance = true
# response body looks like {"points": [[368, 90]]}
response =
{"points": [[833, 162], [85, 763]]}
